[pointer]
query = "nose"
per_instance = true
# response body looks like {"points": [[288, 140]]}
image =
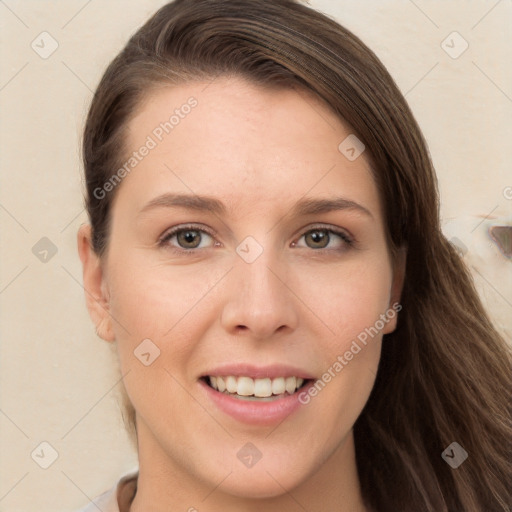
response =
{"points": [[260, 302]]}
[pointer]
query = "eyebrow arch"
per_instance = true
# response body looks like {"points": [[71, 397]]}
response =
{"points": [[192, 202], [303, 207], [318, 206]]}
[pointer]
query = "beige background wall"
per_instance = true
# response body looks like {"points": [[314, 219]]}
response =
{"points": [[58, 381]]}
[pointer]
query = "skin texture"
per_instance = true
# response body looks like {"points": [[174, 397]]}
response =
{"points": [[258, 151]]}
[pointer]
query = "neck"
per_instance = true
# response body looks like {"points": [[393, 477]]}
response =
{"points": [[165, 485]]}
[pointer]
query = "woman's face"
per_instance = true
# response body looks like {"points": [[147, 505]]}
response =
{"points": [[280, 271]]}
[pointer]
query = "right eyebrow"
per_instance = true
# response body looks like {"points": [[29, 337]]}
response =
{"points": [[192, 202]]}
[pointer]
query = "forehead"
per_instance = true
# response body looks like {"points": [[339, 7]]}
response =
{"points": [[243, 143]]}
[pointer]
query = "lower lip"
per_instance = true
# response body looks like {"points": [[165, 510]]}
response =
{"points": [[252, 412]]}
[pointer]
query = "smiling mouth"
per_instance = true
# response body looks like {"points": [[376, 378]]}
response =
{"points": [[264, 390]]}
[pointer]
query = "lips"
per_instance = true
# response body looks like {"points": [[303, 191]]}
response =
{"points": [[256, 395]]}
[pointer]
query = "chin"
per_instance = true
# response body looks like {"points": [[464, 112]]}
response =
{"points": [[260, 484]]}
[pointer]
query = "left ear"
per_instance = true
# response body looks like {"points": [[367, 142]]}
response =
{"points": [[397, 285]]}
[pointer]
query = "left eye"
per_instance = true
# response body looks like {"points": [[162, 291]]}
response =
{"points": [[319, 238]]}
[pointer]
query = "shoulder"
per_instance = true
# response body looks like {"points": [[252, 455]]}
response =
{"points": [[117, 498]]}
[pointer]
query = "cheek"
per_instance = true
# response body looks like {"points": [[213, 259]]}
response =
{"points": [[162, 311], [350, 303], [155, 300], [158, 313], [349, 300]]}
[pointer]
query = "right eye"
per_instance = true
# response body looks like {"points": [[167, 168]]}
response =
{"points": [[185, 239]]}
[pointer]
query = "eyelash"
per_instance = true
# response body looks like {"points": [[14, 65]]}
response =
{"points": [[163, 242]]}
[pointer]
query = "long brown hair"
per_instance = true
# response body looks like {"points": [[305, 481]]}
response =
{"points": [[444, 374]]}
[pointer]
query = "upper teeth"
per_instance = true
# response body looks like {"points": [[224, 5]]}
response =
{"points": [[246, 386]]}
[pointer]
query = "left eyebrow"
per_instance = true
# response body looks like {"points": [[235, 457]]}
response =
{"points": [[319, 206]]}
